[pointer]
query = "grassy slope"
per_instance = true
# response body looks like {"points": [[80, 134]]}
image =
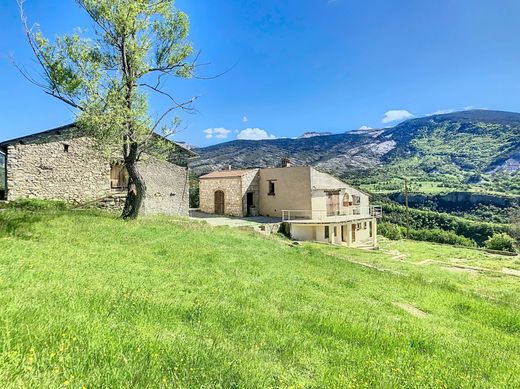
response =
{"points": [[88, 300]]}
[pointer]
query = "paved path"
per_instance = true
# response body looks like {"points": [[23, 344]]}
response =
{"points": [[218, 220]]}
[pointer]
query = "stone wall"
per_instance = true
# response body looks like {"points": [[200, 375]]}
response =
{"points": [[167, 187], [251, 184], [65, 166], [57, 167], [233, 199]]}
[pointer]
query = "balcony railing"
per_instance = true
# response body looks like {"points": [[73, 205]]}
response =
{"points": [[350, 213]]}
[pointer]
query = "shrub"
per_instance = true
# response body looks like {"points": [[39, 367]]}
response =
{"points": [[501, 241], [440, 236], [390, 231]]}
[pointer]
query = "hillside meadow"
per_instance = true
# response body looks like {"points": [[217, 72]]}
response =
{"points": [[87, 300]]}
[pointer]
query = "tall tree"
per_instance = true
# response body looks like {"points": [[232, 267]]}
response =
{"points": [[107, 77]]}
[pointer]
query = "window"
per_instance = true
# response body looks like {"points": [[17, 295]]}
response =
{"points": [[346, 200], [327, 232], [364, 225], [66, 148], [370, 230], [356, 200], [271, 191], [118, 176]]}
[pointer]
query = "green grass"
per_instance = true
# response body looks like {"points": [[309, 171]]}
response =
{"points": [[87, 300]]}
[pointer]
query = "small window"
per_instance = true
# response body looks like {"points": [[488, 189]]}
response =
{"points": [[118, 176], [66, 148], [327, 232], [271, 191], [356, 200], [364, 225], [346, 200]]}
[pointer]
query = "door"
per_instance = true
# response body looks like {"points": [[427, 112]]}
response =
{"points": [[249, 202], [219, 202], [333, 203], [354, 232]]}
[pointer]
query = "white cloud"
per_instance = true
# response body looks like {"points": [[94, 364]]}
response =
{"points": [[254, 134], [441, 112], [245, 119], [362, 128], [396, 115], [219, 133]]}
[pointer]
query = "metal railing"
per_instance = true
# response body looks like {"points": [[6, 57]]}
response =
{"points": [[350, 213]]}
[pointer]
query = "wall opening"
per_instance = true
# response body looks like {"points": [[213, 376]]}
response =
{"points": [[118, 176], [219, 202]]}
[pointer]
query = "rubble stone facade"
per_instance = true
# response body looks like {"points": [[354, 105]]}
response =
{"points": [[62, 165]]}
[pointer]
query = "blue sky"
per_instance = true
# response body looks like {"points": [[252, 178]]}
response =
{"points": [[311, 65]]}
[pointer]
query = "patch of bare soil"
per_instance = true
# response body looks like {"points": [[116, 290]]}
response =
{"points": [[511, 272], [456, 269], [414, 311]]}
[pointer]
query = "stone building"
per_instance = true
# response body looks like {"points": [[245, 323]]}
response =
{"points": [[64, 164], [233, 192], [315, 205]]}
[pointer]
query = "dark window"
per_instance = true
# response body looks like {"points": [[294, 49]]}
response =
{"points": [[118, 176], [66, 148], [327, 233], [356, 200], [271, 188]]}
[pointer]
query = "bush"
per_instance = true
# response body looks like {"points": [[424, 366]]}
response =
{"points": [[440, 236], [427, 220], [390, 231], [501, 241]]}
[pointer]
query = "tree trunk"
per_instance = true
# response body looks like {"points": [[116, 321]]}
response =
{"points": [[136, 186]]}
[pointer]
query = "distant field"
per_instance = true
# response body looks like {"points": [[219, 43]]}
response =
{"points": [[87, 300]]}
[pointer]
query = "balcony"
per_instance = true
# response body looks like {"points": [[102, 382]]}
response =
{"points": [[322, 217]]}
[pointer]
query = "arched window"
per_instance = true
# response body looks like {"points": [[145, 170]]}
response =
{"points": [[346, 200]]}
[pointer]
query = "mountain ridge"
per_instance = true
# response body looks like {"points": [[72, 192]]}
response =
{"points": [[458, 148]]}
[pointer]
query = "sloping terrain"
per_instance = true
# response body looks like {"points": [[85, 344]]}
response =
{"points": [[87, 300], [464, 150]]}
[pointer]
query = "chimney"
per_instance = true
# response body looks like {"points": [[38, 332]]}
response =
{"points": [[286, 162]]}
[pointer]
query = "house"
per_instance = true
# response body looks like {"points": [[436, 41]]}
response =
{"points": [[64, 164], [315, 205]]}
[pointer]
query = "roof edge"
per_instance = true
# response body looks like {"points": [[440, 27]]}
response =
{"points": [[73, 125]]}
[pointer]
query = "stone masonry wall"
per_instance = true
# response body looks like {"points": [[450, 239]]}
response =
{"points": [[251, 183], [63, 166], [42, 168], [167, 187], [232, 188]]}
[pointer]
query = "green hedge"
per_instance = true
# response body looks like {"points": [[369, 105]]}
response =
{"points": [[476, 231], [395, 232]]}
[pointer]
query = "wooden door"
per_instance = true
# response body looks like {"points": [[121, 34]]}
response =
{"points": [[333, 203], [353, 232], [219, 202]]}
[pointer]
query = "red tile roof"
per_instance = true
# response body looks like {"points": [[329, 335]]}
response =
{"points": [[227, 174]]}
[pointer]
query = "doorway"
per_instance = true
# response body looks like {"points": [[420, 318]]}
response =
{"points": [[354, 232], [249, 203], [219, 202]]}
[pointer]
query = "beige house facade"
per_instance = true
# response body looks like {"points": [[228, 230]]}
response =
{"points": [[64, 164], [315, 205]]}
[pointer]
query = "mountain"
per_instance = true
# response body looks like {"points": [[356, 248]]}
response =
{"points": [[460, 150], [311, 134]]}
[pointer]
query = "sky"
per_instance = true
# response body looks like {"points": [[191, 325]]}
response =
{"points": [[294, 66]]}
